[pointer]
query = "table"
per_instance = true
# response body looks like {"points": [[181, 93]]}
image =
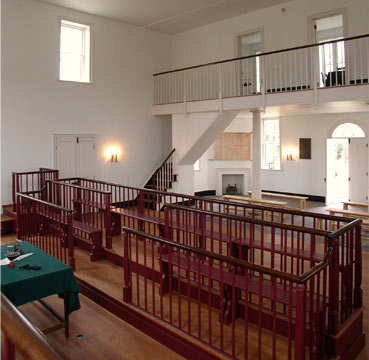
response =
{"points": [[22, 286]]}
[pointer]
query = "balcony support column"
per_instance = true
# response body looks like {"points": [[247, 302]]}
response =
{"points": [[256, 154]]}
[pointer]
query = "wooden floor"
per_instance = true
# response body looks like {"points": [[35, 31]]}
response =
{"points": [[110, 337], [104, 336]]}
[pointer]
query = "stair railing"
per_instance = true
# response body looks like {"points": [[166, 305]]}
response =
{"points": [[163, 176]]}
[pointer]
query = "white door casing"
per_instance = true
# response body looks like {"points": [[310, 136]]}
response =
{"points": [[358, 169]]}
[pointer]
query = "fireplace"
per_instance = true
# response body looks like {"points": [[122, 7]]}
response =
{"points": [[237, 180], [233, 184]]}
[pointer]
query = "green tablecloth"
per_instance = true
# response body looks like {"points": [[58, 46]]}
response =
{"points": [[54, 277]]}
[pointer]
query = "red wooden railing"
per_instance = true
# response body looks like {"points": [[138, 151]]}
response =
{"points": [[232, 305], [47, 226], [283, 246], [31, 181], [90, 206], [20, 334], [150, 203], [163, 177]]}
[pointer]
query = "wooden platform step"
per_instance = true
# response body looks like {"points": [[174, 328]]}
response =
{"points": [[7, 224]]}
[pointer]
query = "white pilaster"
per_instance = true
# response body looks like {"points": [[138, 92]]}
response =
{"points": [[256, 154]]}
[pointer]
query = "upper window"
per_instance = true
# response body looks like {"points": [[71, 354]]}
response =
{"points": [[347, 130], [74, 52], [196, 165], [271, 148]]}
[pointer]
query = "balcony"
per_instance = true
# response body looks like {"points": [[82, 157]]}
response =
{"points": [[251, 81]]}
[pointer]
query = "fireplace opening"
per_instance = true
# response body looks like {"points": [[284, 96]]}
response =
{"points": [[233, 184]]}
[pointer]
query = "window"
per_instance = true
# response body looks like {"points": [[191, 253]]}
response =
{"points": [[271, 153], [196, 165], [74, 57], [348, 130]]}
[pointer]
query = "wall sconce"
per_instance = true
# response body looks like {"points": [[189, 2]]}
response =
{"points": [[111, 153], [291, 153]]}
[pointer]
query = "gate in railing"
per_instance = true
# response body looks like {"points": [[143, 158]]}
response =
{"points": [[25, 182], [299, 68]]}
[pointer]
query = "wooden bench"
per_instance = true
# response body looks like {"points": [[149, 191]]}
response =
{"points": [[271, 203], [142, 217], [346, 204], [352, 214], [86, 237], [83, 232], [302, 199], [226, 278]]}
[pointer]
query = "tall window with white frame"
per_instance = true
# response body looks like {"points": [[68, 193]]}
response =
{"points": [[75, 52], [271, 145]]}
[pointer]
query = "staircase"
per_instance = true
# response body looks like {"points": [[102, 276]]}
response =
{"points": [[161, 180], [164, 176]]}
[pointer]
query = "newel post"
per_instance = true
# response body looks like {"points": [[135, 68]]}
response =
{"points": [[70, 241], [14, 176], [300, 322], [334, 289], [108, 235], [127, 288], [358, 292]]}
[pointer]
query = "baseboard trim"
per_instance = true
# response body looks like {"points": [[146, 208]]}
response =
{"points": [[316, 198], [205, 193]]}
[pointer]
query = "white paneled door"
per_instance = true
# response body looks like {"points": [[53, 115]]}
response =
{"points": [[75, 155], [358, 169]]}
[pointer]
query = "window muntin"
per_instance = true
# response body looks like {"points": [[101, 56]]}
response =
{"points": [[74, 60], [271, 147]]}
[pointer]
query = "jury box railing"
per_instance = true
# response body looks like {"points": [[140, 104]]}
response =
{"points": [[233, 306], [334, 63]]}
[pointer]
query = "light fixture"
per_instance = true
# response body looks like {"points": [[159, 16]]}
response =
{"points": [[291, 153], [111, 153]]}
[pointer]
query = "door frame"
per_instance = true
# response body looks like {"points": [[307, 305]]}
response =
{"points": [[55, 137], [326, 168], [312, 18], [237, 47]]}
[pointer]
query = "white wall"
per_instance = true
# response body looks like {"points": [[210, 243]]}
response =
{"points": [[281, 30], [207, 177], [307, 176], [116, 107], [299, 176]]}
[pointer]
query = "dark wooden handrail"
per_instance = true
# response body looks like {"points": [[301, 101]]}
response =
{"points": [[28, 339], [163, 163], [35, 172], [44, 202], [290, 211], [253, 220], [237, 262], [262, 54], [346, 227], [79, 187]]}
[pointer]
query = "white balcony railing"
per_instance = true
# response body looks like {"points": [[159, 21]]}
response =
{"points": [[341, 62]]}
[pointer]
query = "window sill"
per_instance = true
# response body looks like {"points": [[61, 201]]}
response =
{"points": [[75, 82]]}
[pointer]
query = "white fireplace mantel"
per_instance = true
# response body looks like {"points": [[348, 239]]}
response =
{"points": [[233, 171]]}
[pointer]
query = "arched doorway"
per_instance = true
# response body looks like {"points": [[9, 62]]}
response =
{"points": [[347, 165]]}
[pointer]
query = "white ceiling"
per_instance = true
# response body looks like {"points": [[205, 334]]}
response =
{"points": [[169, 16]]}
